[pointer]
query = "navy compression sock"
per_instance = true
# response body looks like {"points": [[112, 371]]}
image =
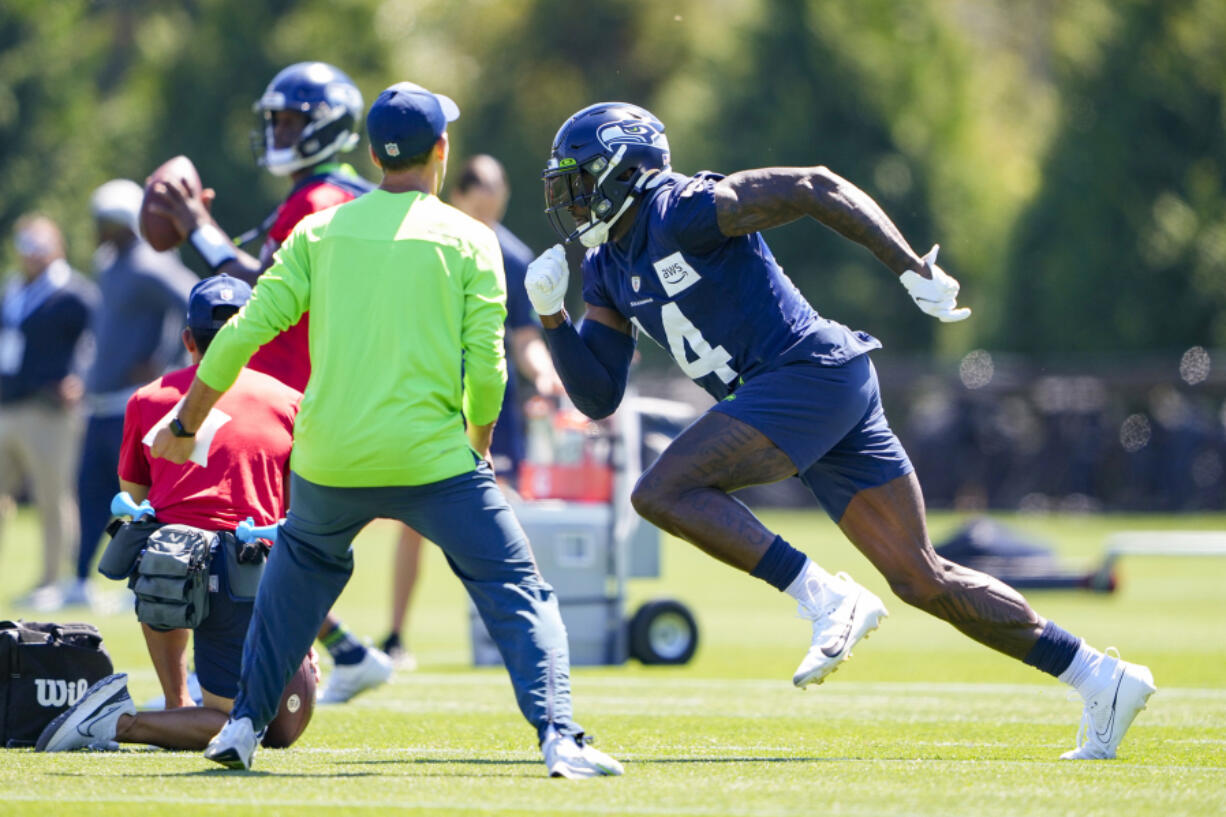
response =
{"points": [[343, 646], [780, 565], [1054, 651]]}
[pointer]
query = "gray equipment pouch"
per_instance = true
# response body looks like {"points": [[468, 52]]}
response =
{"points": [[172, 579], [243, 567], [122, 552]]}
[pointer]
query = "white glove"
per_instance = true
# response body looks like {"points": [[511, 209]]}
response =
{"points": [[936, 296], [547, 279]]}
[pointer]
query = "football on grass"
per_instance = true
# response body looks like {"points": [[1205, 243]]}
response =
{"points": [[297, 705], [159, 231]]}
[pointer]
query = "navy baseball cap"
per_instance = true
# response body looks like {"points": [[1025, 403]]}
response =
{"points": [[407, 119], [212, 292]]}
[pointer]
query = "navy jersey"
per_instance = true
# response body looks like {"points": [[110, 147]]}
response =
{"points": [[508, 439], [722, 307]]}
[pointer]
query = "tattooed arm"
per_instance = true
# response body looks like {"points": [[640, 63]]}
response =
{"points": [[754, 200]]}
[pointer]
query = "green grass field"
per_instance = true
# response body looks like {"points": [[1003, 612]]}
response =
{"points": [[920, 722]]}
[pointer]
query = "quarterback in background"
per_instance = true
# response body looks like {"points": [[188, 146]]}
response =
{"points": [[310, 114], [682, 260]]}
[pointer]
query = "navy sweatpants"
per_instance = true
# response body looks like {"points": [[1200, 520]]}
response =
{"points": [[469, 518]]}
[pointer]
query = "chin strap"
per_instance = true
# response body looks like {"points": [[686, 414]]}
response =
{"points": [[284, 161], [597, 232]]}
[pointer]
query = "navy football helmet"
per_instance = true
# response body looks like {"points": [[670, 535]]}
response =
{"points": [[332, 104], [602, 159]]}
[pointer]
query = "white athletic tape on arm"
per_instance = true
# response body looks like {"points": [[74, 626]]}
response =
{"points": [[213, 245]]}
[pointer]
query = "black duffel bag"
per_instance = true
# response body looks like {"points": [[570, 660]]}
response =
{"points": [[44, 669]]}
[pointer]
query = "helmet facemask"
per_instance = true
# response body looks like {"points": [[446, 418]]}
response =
{"points": [[328, 133], [601, 186], [602, 159], [332, 105]]}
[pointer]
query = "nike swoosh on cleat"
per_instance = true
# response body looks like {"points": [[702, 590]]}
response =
{"points": [[1100, 733], [840, 643], [229, 758], [83, 729]]}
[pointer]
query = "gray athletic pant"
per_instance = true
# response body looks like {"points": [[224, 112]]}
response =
{"points": [[469, 518]]}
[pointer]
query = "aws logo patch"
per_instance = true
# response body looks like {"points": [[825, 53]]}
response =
{"points": [[676, 275]]}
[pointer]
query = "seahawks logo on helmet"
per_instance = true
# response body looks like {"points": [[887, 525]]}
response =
{"points": [[343, 95], [628, 132], [602, 159]]}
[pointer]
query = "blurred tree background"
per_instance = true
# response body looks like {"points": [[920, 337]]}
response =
{"points": [[1068, 157], [1123, 246]]}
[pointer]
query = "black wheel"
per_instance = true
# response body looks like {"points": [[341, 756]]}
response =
{"points": [[663, 632]]}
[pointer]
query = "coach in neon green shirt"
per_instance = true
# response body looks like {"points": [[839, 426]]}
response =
{"points": [[407, 301], [402, 289]]}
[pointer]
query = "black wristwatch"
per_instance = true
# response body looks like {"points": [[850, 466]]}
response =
{"points": [[177, 429]]}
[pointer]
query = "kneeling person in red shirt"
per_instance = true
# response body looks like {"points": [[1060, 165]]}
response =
{"points": [[239, 470]]}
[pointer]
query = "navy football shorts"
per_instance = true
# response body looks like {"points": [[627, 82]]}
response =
{"points": [[218, 641], [829, 422]]}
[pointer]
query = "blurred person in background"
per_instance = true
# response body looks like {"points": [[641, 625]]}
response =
{"points": [[136, 330], [309, 115], [44, 313], [482, 192]]}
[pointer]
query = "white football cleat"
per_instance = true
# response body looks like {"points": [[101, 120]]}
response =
{"points": [[234, 746], [347, 680], [1111, 709], [838, 626], [573, 759], [90, 722]]}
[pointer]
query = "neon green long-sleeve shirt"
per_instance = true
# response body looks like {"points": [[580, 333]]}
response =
{"points": [[407, 299]]}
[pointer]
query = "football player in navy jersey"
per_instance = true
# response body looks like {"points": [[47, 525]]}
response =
{"points": [[682, 260]]}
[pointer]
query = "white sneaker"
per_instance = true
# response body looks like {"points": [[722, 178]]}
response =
{"points": [[1111, 709], [90, 722], [837, 627], [79, 593], [573, 759], [83, 593], [47, 598], [347, 680], [234, 746], [402, 657], [404, 661]]}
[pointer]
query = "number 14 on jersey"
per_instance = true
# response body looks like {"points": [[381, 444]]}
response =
{"points": [[680, 332]]}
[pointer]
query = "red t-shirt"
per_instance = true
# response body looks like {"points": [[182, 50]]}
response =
{"points": [[287, 357], [248, 457]]}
